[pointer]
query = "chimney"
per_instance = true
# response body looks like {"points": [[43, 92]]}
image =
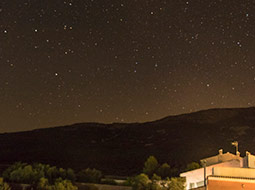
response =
{"points": [[220, 151]]}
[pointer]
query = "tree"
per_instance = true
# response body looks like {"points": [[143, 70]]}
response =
{"points": [[192, 166], [43, 176], [155, 177], [28, 175], [23, 175], [15, 166], [155, 186], [43, 183], [3, 185], [164, 171], [52, 174], [176, 184], [141, 182], [64, 185], [58, 185], [150, 166], [70, 175], [90, 175]]}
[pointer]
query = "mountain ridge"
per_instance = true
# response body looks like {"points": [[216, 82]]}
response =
{"points": [[122, 148]]}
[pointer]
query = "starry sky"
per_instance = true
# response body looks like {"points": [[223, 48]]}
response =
{"points": [[69, 61]]}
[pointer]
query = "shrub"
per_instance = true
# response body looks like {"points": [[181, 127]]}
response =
{"points": [[150, 166], [40, 175], [58, 185], [31, 174], [3, 185], [155, 177], [90, 175], [192, 166], [15, 166], [176, 183], [141, 182], [164, 171]]}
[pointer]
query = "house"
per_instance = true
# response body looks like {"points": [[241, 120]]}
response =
{"points": [[224, 171], [231, 178], [196, 178]]}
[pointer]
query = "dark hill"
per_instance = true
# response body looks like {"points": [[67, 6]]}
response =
{"points": [[122, 148]]}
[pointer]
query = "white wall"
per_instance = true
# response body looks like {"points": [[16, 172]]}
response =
{"points": [[234, 172], [197, 176]]}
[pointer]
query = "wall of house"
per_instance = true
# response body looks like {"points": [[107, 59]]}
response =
{"points": [[249, 161], [234, 172], [195, 178], [216, 183]]}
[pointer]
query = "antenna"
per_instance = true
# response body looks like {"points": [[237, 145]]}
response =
{"points": [[235, 143], [203, 162]]}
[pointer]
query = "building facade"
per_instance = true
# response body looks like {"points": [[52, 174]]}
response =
{"points": [[222, 172], [196, 178], [227, 178]]}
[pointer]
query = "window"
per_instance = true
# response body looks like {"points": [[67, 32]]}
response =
{"points": [[191, 185], [200, 184]]}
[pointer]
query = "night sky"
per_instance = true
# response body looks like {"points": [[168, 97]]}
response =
{"points": [[63, 62]]}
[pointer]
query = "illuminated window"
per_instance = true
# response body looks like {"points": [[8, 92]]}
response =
{"points": [[191, 185], [200, 183]]}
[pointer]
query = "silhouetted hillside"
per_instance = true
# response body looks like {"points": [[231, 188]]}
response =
{"points": [[122, 148]]}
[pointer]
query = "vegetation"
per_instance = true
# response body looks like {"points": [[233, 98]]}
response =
{"points": [[31, 174], [90, 176], [155, 177], [3, 185], [59, 184], [164, 171], [192, 166], [150, 166], [43, 176], [46, 177], [176, 183], [142, 182], [153, 173]]}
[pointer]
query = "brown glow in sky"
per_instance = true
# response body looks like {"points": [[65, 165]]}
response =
{"points": [[67, 61]]}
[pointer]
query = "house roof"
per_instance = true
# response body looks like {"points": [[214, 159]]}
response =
{"points": [[220, 158]]}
